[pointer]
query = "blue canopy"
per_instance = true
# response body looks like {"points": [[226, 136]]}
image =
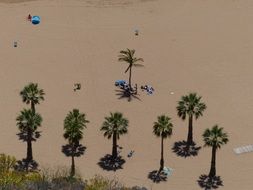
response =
{"points": [[35, 19]]}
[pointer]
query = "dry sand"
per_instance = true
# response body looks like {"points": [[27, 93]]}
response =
{"points": [[204, 46]]}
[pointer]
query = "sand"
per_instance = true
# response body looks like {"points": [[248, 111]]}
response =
{"points": [[188, 46]]}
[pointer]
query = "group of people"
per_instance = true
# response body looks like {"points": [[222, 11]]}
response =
{"points": [[125, 86], [149, 89]]}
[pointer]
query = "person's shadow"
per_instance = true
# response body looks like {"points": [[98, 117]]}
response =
{"points": [[24, 164], [111, 164], [208, 183], [181, 148]]}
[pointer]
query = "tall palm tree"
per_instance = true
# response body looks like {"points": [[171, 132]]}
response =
{"points": [[28, 123], [162, 128], [114, 126], [74, 123], [128, 57], [32, 94], [214, 138], [190, 105]]}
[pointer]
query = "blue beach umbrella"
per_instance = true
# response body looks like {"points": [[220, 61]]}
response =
{"points": [[35, 19]]}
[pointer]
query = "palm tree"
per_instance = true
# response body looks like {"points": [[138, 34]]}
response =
{"points": [[162, 128], [28, 123], [128, 57], [74, 124], [32, 94], [114, 126], [214, 138], [190, 105]]}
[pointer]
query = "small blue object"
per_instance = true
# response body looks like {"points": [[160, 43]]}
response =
{"points": [[35, 19], [120, 83]]}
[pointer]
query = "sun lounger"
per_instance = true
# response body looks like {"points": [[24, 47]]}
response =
{"points": [[243, 149]]}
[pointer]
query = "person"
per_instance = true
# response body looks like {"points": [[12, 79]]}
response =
{"points": [[77, 86], [136, 32], [135, 88], [29, 17], [130, 154]]}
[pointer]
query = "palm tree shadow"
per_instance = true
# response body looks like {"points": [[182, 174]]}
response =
{"points": [[157, 178], [208, 183], [182, 149], [109, 164], [24, 137], [79, 150], [127, 95], [23, 164]]}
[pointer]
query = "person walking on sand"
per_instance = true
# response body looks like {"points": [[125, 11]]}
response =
{"points": [[29, 17]]}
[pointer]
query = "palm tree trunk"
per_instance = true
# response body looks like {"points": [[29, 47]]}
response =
{"points": [[72, 172], [212, 172], [162, 159], [130, 77], [29, 155], [114, 146], [32, 106], [190, 132]]}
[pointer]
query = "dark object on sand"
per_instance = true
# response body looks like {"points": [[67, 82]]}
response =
{"points": [[77, 86], [136, 32], [15, 44], [29, 17], [130, 154]]}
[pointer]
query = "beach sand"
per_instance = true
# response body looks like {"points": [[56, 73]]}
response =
{"points": [[187, 46]]}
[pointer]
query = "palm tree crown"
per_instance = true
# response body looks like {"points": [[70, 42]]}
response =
{"points": [[190, 105], [163, 127], [128, 57], [28, 120], [31, 93], [215, 137], [74, 123], [114, 124]]}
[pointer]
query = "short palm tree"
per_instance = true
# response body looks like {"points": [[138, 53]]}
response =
{"points": [[114, 126], [31, 94], [74, 124], [162, 128], [28, 123], [190, 105], [214, 138], [128, 57]]}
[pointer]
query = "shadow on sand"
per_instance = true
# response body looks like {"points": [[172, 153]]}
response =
{"points": [[23, 164], [78, 151], [126, 94], [181, 149], [110, 164], [209, 183], [157, 178]]}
